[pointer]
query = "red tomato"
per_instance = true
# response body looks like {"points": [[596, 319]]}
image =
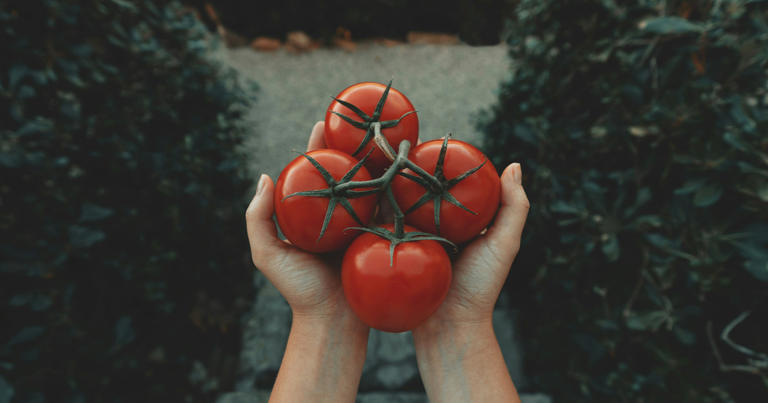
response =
{"points": [[399, 297], [344, 136], [479, 192], [301, 217]]}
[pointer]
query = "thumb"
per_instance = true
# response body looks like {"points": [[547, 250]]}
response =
{"points": [[503, 238], [262, 234]]}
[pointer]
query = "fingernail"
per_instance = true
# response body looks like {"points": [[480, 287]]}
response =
{"points": [[517, 173], [260, 186]]}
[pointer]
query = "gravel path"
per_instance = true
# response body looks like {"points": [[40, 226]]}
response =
{"points": [[448, 85]]}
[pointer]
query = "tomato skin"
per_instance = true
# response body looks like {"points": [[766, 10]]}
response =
{"points": [[395, 298], [480, 192], [301, 217], [340, 135]]}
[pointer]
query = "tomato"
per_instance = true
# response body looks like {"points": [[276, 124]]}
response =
{"points": [[301, 217], [399, 297], [343, 135], [478, 192]]}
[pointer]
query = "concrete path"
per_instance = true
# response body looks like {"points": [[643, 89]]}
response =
{"points": [[448, 85]]}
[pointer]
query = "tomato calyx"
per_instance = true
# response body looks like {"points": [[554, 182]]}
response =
{"points": [[369, 123], [399, 235], [439, 189], [394, 239], [335, 197]]}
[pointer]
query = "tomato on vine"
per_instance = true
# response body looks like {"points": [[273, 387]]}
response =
{"points": [[463, 199], [394, 285], [310, 214], [352, 116], [394, 277]]}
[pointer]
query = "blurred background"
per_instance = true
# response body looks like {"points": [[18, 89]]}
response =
{"points": [[132, 132]]}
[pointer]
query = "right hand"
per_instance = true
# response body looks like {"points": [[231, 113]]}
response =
{"points": [[482, 267]]}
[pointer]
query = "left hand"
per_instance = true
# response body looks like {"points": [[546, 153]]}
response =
{"points": [[310, 283]]}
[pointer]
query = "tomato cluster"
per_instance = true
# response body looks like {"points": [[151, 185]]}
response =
{"points": [[394, 276]]}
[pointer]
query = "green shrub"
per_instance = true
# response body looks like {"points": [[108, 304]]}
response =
{"points": [[124, 260], [641, 127]]}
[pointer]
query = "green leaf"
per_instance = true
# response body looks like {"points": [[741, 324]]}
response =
{"points": [[646, 321], [26, 334], [758, 268], [26, 92], [748, 168], [590, 345], [611, 248], [606, 324], [684, 336], [560, 206], [124, 333], [11, 159], [754, 250], [15, 74], [707, 195], [670, 25], [125, 5], [35, 302], [650, 220], [739, 115], [82, 237], [93, 212], [690, 186], [762, 191], [735, 141], [38, 125], [6, 391], [524, 133]]}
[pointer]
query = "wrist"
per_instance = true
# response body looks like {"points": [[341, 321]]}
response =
{"points": [[342, 324], [441, 324], [461, 361], [437, 332], [324, 357], [334, 314]]}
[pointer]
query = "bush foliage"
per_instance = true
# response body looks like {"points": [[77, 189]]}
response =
{"points": [[124, 263], [641, 127]]}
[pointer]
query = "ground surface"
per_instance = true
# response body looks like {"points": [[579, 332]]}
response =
{"points": [[448, 85]]}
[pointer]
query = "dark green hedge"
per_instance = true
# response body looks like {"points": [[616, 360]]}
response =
{"points": [[642, 128], [478, 22], [124, 262]]}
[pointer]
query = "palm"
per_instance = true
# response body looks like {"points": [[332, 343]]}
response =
{"points": [[478, 276], [310, 283]]}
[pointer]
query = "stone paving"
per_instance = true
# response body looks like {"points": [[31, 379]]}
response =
{"points": [[448, 85]]}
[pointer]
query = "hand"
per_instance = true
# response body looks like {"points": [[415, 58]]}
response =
{"points": [[325, 352], [483, 266], [309, 282], [459, 357]]}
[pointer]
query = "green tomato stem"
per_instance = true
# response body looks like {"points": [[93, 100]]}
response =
{"points": [[399, 216], [382, 142], [381, 182]]}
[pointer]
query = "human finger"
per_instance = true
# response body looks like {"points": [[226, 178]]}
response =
{"points": [[504, 236], [317, 137], [262, 234]]}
